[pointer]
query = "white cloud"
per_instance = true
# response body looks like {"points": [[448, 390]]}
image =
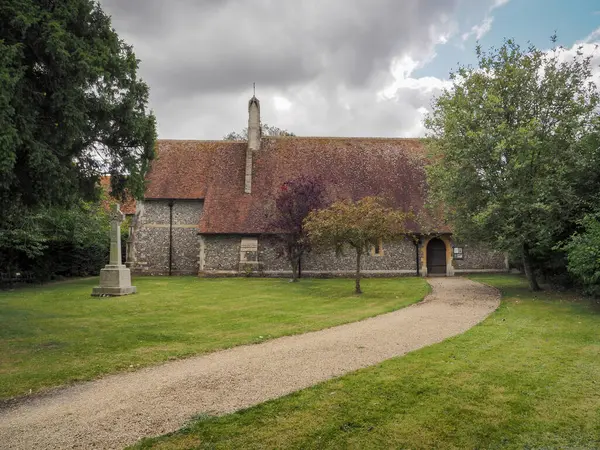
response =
{"points": [[593, 37], [402, 70], [479, 30], [588, 46], [498, 4], [281, 103]]}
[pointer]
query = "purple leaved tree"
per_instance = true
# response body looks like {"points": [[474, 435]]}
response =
{"points": [[296, 199]]}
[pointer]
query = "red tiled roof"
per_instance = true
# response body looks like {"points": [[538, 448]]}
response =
{"points": [[127, 206], [348, 167], [182, 169]]}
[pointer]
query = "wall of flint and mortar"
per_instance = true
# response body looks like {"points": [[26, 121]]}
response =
{"points": [[151, 250], [220, 254], [222, 257], [477, 257]]}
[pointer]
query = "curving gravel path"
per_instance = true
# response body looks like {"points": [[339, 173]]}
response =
{"points": [[117, 410]]}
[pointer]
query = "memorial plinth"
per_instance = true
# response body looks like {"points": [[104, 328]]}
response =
{"points": [[115, 278]]}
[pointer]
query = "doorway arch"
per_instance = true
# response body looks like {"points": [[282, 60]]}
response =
{"points": [[436, 257]]}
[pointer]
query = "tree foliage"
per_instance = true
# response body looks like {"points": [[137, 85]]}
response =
{"points": [[510, 145], [583, 251], [296, 199], [265, 130], [358, 225], [71, 108], [71, 104], [21, 237], [55, 242]]}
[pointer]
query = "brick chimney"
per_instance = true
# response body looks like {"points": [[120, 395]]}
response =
{"points": [[253, 139]]}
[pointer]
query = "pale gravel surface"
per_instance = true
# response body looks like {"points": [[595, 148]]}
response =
{"points": [[117, 410]]}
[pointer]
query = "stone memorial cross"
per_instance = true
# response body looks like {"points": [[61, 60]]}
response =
{"points": [[116, 218], [115, 278]]}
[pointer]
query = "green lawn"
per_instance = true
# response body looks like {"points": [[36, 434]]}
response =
{"points": [[527, 377], [58, 333]]}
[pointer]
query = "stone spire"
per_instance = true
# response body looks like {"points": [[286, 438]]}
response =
{"points": [[254, 124], [253, 139]]}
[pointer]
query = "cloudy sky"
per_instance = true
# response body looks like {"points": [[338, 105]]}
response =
{"points": [[322, 67]]}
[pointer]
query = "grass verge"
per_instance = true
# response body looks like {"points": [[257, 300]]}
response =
{"points": [[56, 334], [527, 377]]}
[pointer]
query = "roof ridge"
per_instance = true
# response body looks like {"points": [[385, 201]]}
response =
{"points": [[346, 137], [340, 138], [198, 140]]}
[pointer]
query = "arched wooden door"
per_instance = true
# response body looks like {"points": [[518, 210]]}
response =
{"points": [[436, 257]]}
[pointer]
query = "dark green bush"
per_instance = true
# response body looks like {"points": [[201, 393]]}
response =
{"points": [[583, 255], [55, 243]]}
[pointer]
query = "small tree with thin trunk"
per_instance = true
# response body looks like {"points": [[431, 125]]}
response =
{"points": [[296, 199], [358, 225]]}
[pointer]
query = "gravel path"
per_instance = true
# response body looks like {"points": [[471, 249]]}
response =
{"points": [[119, 409]]}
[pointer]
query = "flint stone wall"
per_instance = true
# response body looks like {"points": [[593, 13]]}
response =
{"points": [[222, 253], [478, 258], [397, 258], [222, 257], [151, 249]]}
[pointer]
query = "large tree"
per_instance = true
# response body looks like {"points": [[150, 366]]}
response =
{"points": [[509, 147], [71, 105], [358, 225], [265, 130], [296, 199]]}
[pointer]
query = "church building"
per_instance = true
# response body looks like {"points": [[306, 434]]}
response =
{"points": [[208, 205]]}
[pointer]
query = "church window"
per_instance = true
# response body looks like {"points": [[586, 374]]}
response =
{"points": [[377, 249]]}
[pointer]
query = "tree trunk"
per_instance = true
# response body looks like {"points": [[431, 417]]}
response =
{"points": [[294, 261], [529, 272], [357, 289], [11, 259]]}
